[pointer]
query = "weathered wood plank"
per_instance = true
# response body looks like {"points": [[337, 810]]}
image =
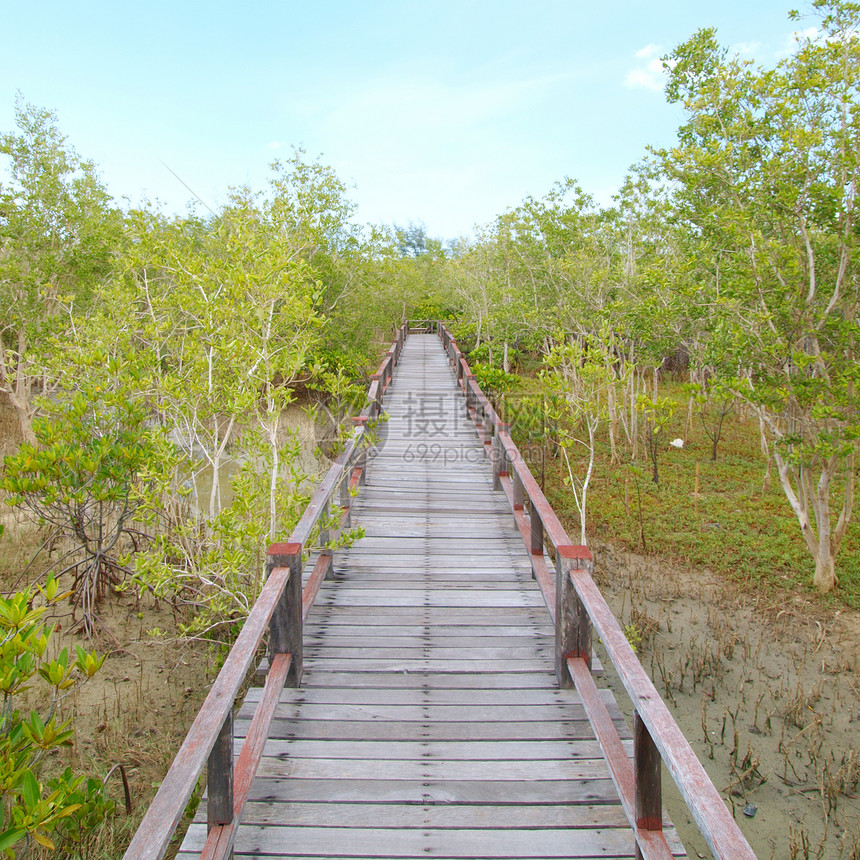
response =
{"points": [[423, 713], [378, 842], [427, 730], [323, 677], [434, 791], [420, 695], [426, 750], [447, 815]]}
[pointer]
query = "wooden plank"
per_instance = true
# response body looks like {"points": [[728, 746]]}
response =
{"points": [[323, 677], [434, 791], [371, 842], [420, 713], [433, 750], [492, 698], [447, 815], [427, 730]]}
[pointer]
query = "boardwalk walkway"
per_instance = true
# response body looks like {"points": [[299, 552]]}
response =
{"points": [[429, 722]]}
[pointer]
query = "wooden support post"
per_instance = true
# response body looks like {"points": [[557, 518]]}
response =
{"points": [[646, 774], [285, 628], [359, 420], [488, 428], [537, 531], [500, 457], [572, 624], [325, 537], [219, 778], [518, 493], [375, 405], [325, 530], [343, 488]]}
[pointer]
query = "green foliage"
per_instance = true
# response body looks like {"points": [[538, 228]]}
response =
{"points": [[767, 176], [633, 635], [493, 381], [212, 572], [67, 807], [579, 378], [95, 456], [714, 401], [657, 412], [737, 525], [58, 235]]}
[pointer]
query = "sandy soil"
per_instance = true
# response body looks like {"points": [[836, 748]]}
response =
{"points": [[767, 694]]}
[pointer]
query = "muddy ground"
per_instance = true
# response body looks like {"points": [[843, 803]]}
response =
{"points": [[767, 694]]}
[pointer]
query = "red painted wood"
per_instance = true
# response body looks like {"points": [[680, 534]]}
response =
{"points": [[646, 771], [706, 806], [154, 833], [652, 844], [220, 840], [312, 586], [553, 528]]}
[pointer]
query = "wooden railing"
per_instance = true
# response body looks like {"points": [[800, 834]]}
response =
{"points": [[280, 609], [577, 607]]}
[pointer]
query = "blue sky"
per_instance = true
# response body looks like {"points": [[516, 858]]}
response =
{"points": [[437, 111]]}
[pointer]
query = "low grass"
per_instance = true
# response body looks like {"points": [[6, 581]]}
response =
{"points": [[736, 525]]}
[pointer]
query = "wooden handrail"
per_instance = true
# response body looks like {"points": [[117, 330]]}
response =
{"points": [[576, 604], [280, 608]]}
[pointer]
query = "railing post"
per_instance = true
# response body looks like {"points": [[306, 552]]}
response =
{"points": [[361, 421], [536, 542], [325, 537], [344, 497], [285, 628], [646, 774], [467, 388], [376, 404], [572, 624], [219, 778], [518, 492], [488, 428], [500, 457], [537, 531]]}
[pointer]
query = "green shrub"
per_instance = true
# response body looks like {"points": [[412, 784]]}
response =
{"points": [[65, 807]]}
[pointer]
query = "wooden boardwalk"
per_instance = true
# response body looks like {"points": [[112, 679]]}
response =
{"points": [[429, 722]]}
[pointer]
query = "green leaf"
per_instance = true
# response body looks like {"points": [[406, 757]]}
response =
{"points": [[9, 837], [30, 790]]}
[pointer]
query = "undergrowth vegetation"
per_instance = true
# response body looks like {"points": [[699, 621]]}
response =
{"points": [[728, 515]]}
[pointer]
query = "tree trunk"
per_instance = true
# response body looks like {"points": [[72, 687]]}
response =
{"points": [[612, 417], [25, 419], [825, 573]]}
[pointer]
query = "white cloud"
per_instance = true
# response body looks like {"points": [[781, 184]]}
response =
{"points": [[649, 52], [649, 74], [747, 49], [276, 144]]}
